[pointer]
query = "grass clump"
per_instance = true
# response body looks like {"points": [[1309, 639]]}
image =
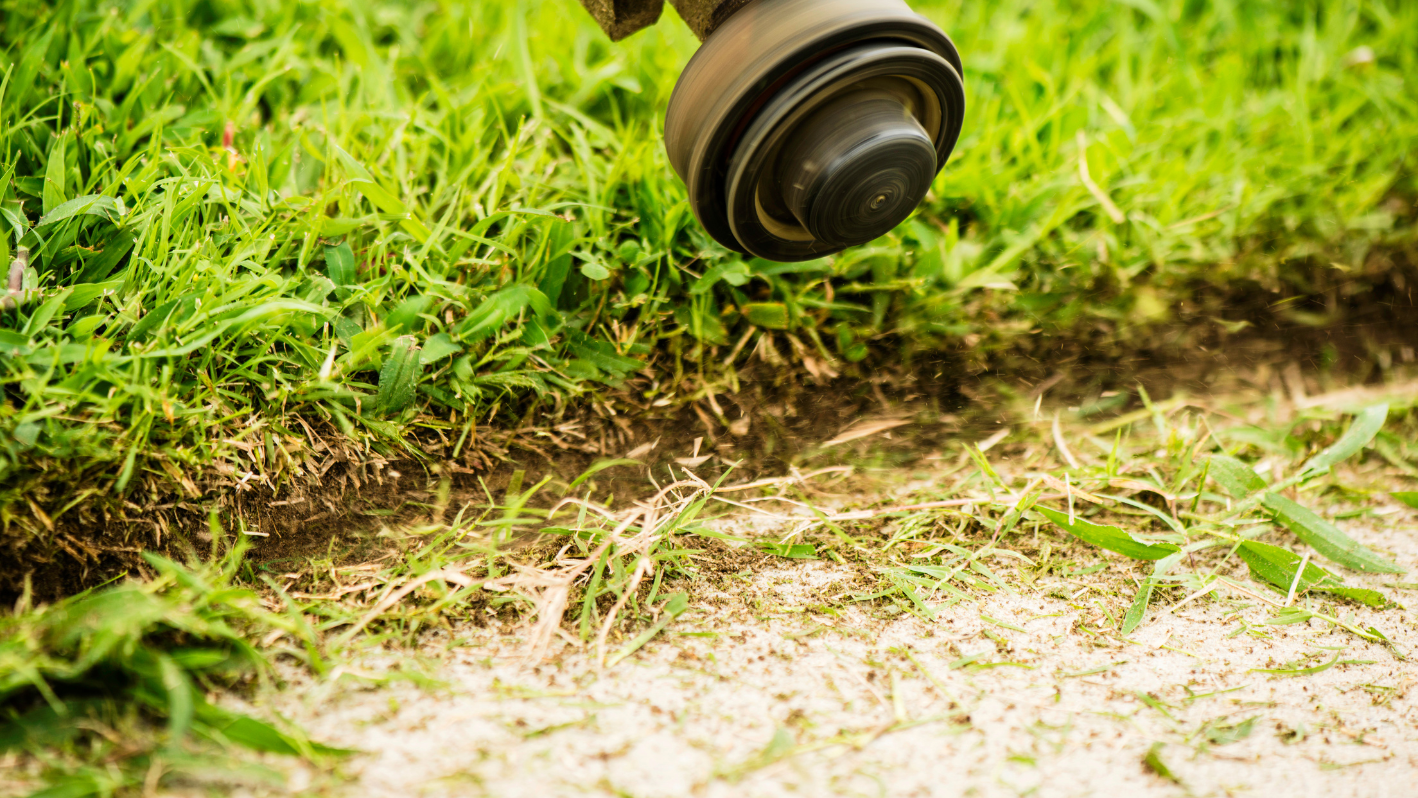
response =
{"points": [[265, 236], [107, 692]]}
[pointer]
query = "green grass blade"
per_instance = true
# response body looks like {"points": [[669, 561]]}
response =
{"points": [[180, 697], [1152, 760], [1239, 479], [1326, 538], [597, 468], [1369, 598], [399, 377], [340, 267], [1310, 671], [106, 208], [673, 608], [1137, 611], [1278, 566], [1366, 425], [1109, 537], [55, 176], [257, 735]]}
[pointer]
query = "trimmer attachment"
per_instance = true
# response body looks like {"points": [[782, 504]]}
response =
{"points": [[804, 127]]}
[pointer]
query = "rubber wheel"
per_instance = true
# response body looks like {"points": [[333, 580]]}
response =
{"points": [[804, 127]]}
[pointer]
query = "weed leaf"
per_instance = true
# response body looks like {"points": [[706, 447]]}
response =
{"points": [[733, 272], [1221, 733], [1137, 612], [595, 270], [399, 376], [405, 317], [1239, 479], [1109, 537], [346, 329], [1409, 498], [1366, 425], [1326, 538]]}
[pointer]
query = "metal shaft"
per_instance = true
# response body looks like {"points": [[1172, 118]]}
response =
{"points": [[620, 18]]}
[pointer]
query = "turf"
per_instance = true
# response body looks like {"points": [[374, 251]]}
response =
{"points": [[256, 224]]}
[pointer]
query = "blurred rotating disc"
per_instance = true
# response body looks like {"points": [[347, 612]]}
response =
{"points": [[803, 127]]}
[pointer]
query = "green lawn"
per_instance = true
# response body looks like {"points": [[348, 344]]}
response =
{"points": [[252, 221]]}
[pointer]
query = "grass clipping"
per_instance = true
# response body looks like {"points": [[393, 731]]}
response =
{"points": [[134, 662]]}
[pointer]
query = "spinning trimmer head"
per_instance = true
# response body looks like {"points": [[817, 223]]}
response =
{"points": [[804, 127]]}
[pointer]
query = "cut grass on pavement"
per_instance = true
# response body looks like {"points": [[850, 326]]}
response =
{"points": [[1177, 503]]}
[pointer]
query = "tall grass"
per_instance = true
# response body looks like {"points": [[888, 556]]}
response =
{"points": [[255, 222]]}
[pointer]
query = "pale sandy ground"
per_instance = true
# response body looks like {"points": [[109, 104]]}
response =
{"points": [[782, 697]]}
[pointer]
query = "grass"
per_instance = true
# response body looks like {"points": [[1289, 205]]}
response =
{"points": [[261, 238], [266, 235], [1147, 510], [108, 692]]}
